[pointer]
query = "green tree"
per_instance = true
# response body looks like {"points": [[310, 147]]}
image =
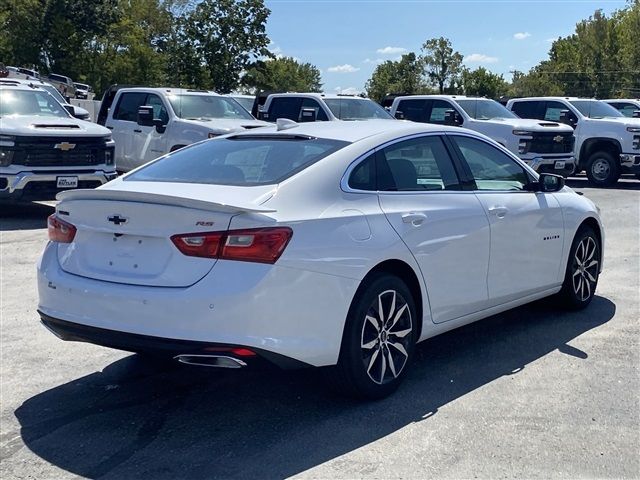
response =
{"points": [[442, 63], [482, 83], [284, 74], [402, 76], [228, 35], [533, 84], [20, 23]]}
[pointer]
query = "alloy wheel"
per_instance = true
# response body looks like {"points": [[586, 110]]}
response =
{"points": [[386, 337], [585, 268], [601, 169]]}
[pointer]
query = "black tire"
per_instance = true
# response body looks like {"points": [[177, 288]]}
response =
{"points": [[375, 375], [603, 169], [581, 277]]}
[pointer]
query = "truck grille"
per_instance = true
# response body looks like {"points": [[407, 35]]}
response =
{"points": [[552, 142], [42, 152]]}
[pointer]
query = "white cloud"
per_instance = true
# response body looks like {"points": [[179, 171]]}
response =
{"points": [[348, 91], [521, 35], [551, 39], [346, 68], [375, 61], [391, 50], [480, 58]]}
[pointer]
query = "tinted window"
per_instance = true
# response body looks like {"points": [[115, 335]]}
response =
{"points": [[356, 109], [159, 110], [526, 109], [553, 111], [627, 109], [311, 103], [414, 110], [418, 164], [284, 107], [204, 107], [243, 160], [438, 112], [483, 109], [491, 169], [595, 109], [363, 177], [127, 108]]}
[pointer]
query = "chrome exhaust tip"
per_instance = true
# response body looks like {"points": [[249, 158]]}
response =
{"points": [[203, 360]]}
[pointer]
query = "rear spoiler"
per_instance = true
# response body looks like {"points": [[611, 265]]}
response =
{"points": [[156, 198]]}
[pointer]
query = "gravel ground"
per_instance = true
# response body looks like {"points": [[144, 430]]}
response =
{"points": [[531, 393]]}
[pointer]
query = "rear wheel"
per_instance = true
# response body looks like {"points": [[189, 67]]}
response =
{"points": [[378, 341], [603, 169], [583, 269]]}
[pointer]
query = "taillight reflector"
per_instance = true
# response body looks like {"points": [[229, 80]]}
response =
{"points": [[59, 230], [262, 245]]}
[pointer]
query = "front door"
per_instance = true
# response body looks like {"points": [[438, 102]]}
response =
{"points": [[527, 228], [444, 227], [148, 142]]}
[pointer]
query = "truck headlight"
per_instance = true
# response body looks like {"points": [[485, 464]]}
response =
{"points": [[108, 156], [523, 146], [6, 157], [7, 141]]}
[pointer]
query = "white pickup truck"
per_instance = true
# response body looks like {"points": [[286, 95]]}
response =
{"points": [[44, 150], [147, 123], [607, 142], [544, 146]]}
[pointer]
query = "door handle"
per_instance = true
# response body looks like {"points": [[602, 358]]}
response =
{"points": [[137, 130], [499, 211], [415, 219]]}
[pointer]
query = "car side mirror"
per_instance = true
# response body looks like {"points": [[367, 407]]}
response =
{"points": [[145, 116], [399, 115], [547, 183], [451, 117], [71, 109], [636, 114], [308, 115], [567, 118]]}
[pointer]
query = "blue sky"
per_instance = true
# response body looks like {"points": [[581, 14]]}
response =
{"points": [[345, 39]]}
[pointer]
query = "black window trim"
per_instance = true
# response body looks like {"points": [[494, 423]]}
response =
{"points": [[467, 170], [457, 166]]}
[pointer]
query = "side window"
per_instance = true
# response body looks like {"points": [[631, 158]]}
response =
{"points": [[525, 109], [159, 110], [419, 164], [363, 177], [439, 111], [414, 110], [491, 168], [626, 109], [127, 108], [553, 111], [311, 103], [283, 107]]}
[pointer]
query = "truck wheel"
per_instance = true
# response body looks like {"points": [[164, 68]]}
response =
{"points": [[603, 169], [378, 341]]}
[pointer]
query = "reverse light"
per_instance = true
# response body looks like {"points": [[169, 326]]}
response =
{"points": [[59, 230], [261, 245]]}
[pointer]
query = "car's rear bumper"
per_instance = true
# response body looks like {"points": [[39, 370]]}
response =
{"points": [[42, 185], [169, 347]]}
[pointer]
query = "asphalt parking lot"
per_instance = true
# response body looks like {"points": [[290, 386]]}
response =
{"points": [[532, 393]]}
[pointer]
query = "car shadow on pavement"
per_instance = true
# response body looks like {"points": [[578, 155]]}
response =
{"points": [[625, 183], [139, 418], [24, 216]]}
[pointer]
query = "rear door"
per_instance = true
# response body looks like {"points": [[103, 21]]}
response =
{"points": [[124, 127], [445, 228], [527, 228]]}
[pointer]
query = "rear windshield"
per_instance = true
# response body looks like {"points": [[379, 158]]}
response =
{"points": [[242, 160]]}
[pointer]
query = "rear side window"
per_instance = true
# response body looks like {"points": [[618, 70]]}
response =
{"points": [[525, 109], [439, 111], [363, 177], [246, 160], [414, 110], [283, 107], [419, 164], [311, 103], [127, 108]]}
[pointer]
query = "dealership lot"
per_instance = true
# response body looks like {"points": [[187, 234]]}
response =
{"points": [[530, 393]]}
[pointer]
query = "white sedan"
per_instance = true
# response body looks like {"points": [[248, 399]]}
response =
{"points": [[324, 244]]}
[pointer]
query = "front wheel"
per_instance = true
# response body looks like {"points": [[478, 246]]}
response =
{"points": [[583, 270], [603, 169], [378, 341]]}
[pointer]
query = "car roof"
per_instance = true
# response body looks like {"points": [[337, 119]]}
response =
{"points": [[6, 86], [350, 131], [549, 98], [442, 97], [320, 96], [171, 91], [635, 100]]}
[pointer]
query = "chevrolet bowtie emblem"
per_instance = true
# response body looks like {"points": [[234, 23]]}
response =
{"points": [[558, 138], [65, 146]]}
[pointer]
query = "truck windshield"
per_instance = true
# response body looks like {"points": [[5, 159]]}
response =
{"points": [[244, 160], [484, 109], [356, 109], [30, 102], [595, 109], [207, 107], [53, 91]]}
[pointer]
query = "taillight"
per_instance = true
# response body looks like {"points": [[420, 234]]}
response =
{"points": [[59, 230], [262, 245]]}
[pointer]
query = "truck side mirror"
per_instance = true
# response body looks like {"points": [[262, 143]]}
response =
{"points": [[308, 115], [145, 116], [636, 114], [567, 118], [70, 109], [451, 117], [399, 115]]}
